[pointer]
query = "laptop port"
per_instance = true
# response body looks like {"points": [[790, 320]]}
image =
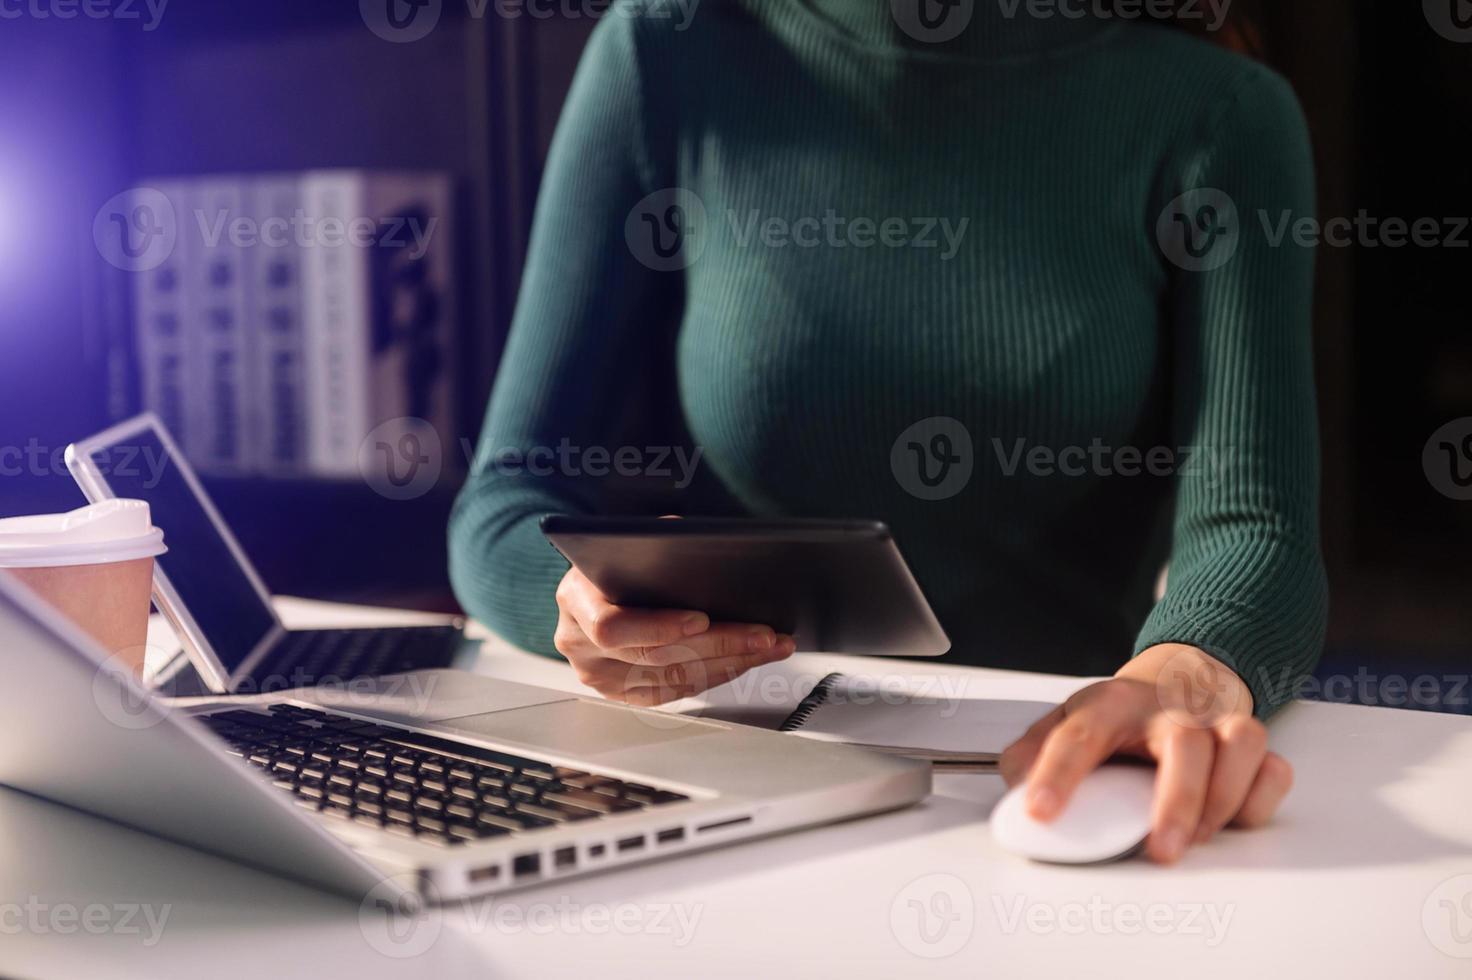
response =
{"points": [[630, 844], [489, 873], [565, 857], [671, 835], [596, 850], [526, 864]]}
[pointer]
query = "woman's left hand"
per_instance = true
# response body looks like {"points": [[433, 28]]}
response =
{"points": [[1182, 708]]}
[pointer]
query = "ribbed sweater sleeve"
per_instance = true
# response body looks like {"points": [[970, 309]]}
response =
{"points": [[578, 317], [1246, 582]]}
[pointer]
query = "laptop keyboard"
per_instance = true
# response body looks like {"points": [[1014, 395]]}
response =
{"points": [[432, 789], [308, 657]]}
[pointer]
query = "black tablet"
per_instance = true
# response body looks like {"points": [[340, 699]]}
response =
{"points": [[835, 586]]}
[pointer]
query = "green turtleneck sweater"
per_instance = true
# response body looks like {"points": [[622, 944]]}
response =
{"points": [[892, 235]]}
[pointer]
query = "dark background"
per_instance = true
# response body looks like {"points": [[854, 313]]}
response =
{"points": [[87, 107]]}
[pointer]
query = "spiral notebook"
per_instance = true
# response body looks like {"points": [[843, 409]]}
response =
{"points": [[951, 733]]}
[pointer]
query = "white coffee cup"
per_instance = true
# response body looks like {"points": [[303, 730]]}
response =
{"points": [[95, 565]]}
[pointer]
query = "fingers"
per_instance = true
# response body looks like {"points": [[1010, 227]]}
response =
{"points": [[705, 662], [1185, 757], [1242, 744], [1274, 780], [1096, 722], [650, 686], [1018, 757], [614, 627], [1207, 776], [719, 640]]}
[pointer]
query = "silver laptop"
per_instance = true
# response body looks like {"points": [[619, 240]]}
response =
{"points": [[427, 786], [209, 591]]}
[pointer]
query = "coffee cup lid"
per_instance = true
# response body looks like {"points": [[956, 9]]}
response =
{"points": [[100, 533]]}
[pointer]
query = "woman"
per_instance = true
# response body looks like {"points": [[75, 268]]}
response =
{"points": [[1017, 232]]}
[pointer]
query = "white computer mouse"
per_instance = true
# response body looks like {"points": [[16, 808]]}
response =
{"points": [[1107, 818]]}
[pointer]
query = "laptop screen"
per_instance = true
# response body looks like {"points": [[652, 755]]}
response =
{"points": [[199, 563]]}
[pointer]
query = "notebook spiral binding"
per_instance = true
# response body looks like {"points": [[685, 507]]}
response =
{"points": [[805, 708]]}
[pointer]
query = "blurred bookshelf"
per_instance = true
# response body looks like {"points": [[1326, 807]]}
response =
{"points": [[277, 87]]}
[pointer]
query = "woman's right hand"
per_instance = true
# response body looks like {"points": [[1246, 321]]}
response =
{"points": [[650, 656]]}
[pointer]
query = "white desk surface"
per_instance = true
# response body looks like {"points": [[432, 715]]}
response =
{"points": [[1367, 872]]}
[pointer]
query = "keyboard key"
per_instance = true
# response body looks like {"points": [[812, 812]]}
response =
{"points": [[583, 781], [564, 811], [437, 790], [589, 801], [557, 815], [530, 821], [498, 820]]}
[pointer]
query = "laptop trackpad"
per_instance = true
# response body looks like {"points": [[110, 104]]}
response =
{"points": [[579, 728], [428, 695]]}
